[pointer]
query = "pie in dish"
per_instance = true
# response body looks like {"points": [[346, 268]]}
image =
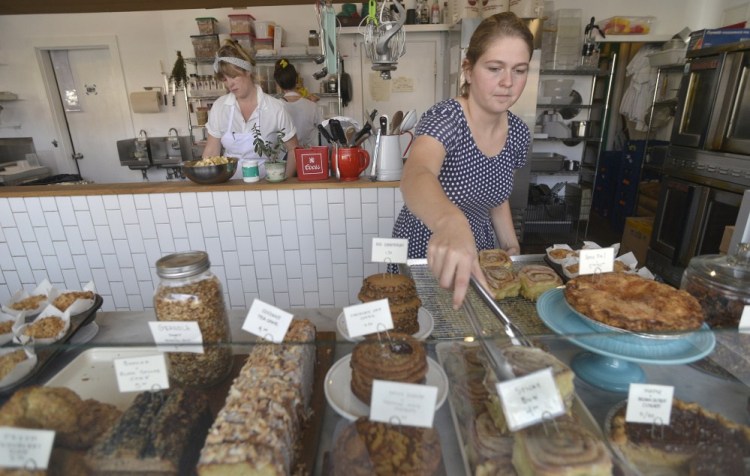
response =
{"points": [[696, 441], [633, 303]]}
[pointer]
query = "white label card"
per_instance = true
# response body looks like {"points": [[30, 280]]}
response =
{"points": [[744, 326], [177, 336], [651, 404], [403, 403], [24, 448], [390, 250], [138, 374], [530, 399], [267, 322], [600, 260], [368, 318]]}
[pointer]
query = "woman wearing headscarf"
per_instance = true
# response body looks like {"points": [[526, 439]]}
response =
{"points": [[233, 116]]}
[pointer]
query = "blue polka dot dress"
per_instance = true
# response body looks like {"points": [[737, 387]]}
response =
{"points": [[474, 182]]}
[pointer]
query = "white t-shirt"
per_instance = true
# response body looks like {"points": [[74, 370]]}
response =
{"points": [[270, 112], [306, 117]]}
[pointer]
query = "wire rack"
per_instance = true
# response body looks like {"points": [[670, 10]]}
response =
{"points": [[455, 324]]}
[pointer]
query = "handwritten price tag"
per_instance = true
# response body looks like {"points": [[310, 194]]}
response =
{"points": [[600, 260], [650, 404], [530, 399], [138, 374], [390, 250], [403, 403], [267, 322], [24, 448], [177, 336], [368, 318]]}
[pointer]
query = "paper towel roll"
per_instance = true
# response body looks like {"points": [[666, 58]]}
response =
{"points": [[145, 101]]}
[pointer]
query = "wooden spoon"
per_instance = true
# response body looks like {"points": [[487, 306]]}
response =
{"points": [[396, 122]]}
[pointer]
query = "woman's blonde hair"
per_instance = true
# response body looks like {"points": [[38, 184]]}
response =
{"points": [[232, 49], [500, 25]]}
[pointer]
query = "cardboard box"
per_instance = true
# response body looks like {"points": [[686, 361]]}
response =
{"points": [[720, 36], [636, 237], [725, 239]]}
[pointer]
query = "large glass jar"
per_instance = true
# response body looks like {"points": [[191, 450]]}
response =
{"points": [[189, 291], [722, 285]]}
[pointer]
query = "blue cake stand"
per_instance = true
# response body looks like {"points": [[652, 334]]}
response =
{"points": [[611, 362]]}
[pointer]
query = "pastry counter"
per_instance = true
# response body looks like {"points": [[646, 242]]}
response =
{"points": [[468, 419], [182, 186]]}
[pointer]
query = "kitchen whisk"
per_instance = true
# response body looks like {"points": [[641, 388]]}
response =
{"points": [[384, 36]]}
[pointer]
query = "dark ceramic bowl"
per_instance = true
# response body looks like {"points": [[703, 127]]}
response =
{"points": [[209, 174]]}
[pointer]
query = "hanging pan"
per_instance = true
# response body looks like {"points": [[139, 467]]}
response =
{"points": [[346, 86]]}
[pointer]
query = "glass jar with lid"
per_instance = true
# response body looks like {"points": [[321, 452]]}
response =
{"points": [[189, 291], [722, 285]]}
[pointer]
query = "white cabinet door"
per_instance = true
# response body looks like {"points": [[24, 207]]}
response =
{"points": [[413, 85]]}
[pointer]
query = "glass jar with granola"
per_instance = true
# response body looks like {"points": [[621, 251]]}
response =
{"points": [[189, 291]]}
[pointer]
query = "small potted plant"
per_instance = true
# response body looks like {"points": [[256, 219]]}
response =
{"points": [[272, 151]]}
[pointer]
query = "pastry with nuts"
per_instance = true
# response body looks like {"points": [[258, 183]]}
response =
{"points": [[45, 328], [66, 299], [372, 448], [258, 429], [29, 303]]}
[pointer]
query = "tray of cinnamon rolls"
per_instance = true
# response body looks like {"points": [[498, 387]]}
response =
{"points": [[569, 444]]}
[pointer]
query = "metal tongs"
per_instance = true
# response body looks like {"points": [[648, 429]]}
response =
{"points": [[497, 360]]}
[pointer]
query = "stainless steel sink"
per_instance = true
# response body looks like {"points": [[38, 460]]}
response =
{"points": [[170, 151], [131, 156]]}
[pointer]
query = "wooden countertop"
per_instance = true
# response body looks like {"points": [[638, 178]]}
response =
{"points": [[181, 186]]}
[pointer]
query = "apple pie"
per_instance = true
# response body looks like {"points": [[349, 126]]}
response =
{"points": [[631, 302]]}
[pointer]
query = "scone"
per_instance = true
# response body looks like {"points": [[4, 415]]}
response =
{"points": [[523, 361]]}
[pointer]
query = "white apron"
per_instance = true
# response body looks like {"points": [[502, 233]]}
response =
{"points": [[240, 145]]}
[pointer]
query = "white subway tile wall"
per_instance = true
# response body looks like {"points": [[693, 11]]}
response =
{"points": [[292, 249]]}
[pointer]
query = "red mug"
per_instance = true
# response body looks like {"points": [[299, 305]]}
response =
{"points": [[350, 162]]}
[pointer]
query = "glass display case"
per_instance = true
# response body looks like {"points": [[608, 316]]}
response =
{"points": [[290, 406]]}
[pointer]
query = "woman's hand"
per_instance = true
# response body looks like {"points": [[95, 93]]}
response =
{"points": [[452, 257]]}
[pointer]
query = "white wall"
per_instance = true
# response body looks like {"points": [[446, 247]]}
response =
{"points": [[146, 38]]}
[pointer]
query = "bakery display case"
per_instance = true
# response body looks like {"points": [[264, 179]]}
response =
{"points": [[300, 406]]}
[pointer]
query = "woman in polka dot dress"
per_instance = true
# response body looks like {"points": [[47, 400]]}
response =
{"points": [[459, 174]]}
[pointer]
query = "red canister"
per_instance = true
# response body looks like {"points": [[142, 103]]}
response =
{"points": [[312, 163]]}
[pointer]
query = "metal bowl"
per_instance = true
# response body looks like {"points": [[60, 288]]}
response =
{"points": [[209, 174]]}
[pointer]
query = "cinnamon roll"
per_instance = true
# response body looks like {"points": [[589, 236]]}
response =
{"points": [[536, 279], [503, 282], [562, 446], [495, 258]]}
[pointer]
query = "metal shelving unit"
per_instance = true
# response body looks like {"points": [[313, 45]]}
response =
{"points": [[567, 213]]}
